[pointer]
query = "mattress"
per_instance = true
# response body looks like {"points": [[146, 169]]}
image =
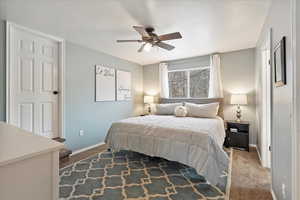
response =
{"points": [[196, 142]]}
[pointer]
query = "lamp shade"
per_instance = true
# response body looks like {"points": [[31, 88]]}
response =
{"points": [[239, 99], [148, 99]]}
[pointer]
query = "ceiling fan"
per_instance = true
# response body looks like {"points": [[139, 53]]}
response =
{"points": [[150, 39]]}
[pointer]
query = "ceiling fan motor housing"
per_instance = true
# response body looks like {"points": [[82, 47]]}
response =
{"points": [[153, 37], [149, 29]]}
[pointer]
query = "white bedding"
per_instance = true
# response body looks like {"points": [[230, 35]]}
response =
{"points": [[196, 142]]}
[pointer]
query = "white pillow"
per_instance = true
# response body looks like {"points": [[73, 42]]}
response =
{"points": [[202, 110], [180, 111], [166, 109]]}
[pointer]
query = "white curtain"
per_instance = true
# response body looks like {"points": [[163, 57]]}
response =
{"points": [[163, 80], [215, 82]]}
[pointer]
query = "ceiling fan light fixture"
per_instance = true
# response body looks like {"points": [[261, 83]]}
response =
{"points": [[151, 39], [147, 47]]}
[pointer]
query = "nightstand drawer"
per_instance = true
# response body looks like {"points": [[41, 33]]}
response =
{"points": [[239, 140], [239, 127], [238, 133]]}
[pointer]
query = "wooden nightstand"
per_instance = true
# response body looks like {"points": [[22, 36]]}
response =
{"points": [[237, 135]]}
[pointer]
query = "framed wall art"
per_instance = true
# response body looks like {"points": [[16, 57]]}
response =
{"points": [[105, 83], [123, 85], [280, 63]]}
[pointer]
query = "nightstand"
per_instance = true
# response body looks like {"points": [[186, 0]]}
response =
{"points": [[237, 135]]}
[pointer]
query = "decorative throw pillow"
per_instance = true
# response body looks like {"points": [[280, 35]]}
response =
{"points": [[202, 110], [166, 109], [180, 111]]}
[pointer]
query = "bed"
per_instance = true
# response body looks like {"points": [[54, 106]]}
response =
{"points": [[196, 142]]}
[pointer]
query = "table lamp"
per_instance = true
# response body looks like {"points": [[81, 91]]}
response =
{"points": [[148, 100], [238, 99]]}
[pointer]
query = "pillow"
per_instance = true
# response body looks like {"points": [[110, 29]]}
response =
{"points": [[166, 109], [180, 111], [202, 110]]}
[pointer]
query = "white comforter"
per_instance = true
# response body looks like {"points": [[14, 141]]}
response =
{"points": [[196, 142]]}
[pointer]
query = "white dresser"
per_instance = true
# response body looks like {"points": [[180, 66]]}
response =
{"points": [[29, 165]]}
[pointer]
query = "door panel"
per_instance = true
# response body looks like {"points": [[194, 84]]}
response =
{"points": [[34, 77], [48, 51], [47, 77], [26, 73], [26, 45], [47, 118], [26, 114]]}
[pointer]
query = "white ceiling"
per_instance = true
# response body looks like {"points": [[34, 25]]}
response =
{"points": [[206, 25]]}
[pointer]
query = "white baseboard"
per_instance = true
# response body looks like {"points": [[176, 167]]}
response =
{"points": [[87, 148], [273, 194], [259, 156], [258, 153]]}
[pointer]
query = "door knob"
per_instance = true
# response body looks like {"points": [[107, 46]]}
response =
{"points": [[55, 92]]}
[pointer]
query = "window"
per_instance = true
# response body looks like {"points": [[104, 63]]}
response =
{"points": [[178, 84], [192, 83]]}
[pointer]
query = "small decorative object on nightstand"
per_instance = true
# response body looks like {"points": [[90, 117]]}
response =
{"points": [[148, 100], [237, 135], [238, 99]]}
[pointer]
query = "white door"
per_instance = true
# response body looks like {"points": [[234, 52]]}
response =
{"points": [[34, 82]]}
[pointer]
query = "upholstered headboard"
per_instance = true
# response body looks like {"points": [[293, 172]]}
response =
{"points": [[197, 101]]}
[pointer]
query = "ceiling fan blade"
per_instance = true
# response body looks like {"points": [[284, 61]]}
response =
{"points": [[142, 47], [165, 46], [141, 30], [129, 41], [170, 36]]}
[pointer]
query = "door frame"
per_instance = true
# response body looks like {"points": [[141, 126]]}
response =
{"points": [[295, 118], [267, 89], [10, 26]]}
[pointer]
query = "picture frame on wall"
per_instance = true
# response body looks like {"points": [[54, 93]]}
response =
{"points": [[105, 83], [123, 85], [280, 63]]}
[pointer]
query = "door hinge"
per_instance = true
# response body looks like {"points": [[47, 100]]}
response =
{"points": [[270, 149]]}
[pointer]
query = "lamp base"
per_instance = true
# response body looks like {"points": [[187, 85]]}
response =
{"points": [[148, 107], [238, 114]]}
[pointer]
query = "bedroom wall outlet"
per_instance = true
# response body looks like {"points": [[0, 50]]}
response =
{"points": [[283, 190], [81, 132]]}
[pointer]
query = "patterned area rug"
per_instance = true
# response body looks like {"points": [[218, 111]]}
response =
{"points": [[130, 175]]}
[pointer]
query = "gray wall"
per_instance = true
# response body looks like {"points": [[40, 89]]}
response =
{"points": [[151, 79], [2, 71], [82, 112], [279, 19], [238, 72]]}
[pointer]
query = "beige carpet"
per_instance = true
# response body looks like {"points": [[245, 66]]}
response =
{"points": [[249, 180]]}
